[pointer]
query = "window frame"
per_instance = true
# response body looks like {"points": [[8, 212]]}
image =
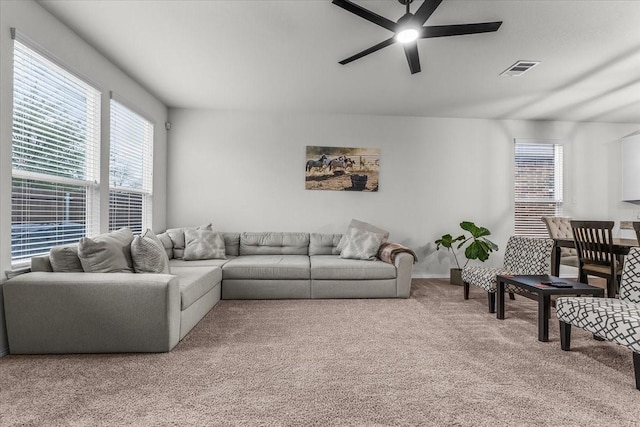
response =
{"points": [[534, 226], [145, 189], [60, 84]]}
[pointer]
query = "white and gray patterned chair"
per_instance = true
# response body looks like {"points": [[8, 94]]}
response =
{"points": [[523, 255], [616, 320]]}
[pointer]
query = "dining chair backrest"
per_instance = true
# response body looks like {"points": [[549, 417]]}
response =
{"points": [[630, 282], [594, 242], [559, 227], [636, 226]]}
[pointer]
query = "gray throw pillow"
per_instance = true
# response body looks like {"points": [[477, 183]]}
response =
{"points": [[361, 244], [203, 244], [361, 225], [64, 259], [107, 253], [167, 243], [177, 238], [148, 254]]}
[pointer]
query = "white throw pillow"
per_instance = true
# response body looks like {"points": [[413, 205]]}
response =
{"points": [[361, 244], [361, 225], [149, 255], [203, 244]]}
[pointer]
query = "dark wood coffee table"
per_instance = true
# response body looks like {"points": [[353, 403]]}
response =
{"points": [[534, 285]]}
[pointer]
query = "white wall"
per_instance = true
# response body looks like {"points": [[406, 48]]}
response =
{"points": [[244, 172], [39, 26]]}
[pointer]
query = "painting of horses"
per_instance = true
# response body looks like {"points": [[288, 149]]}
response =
{"points": [[342, 168]]}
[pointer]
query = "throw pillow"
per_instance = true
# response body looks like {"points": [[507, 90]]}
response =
{"points": [[361, 244], [361, 225], [203, 244], [166, 243], [107, 253], [177, 237], [64, 259], [148, 254]]}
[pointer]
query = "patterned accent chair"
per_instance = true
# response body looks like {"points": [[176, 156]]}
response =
{"points": [[523, 255], [616, 320]]}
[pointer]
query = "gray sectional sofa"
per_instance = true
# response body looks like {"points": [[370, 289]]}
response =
{"points": [[81, 312]]}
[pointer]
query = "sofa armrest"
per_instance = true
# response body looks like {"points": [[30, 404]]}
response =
{"points": [[92, 312], [404, 267]]}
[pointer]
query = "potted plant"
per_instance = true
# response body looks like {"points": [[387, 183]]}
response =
{"points": [[479, 247]]}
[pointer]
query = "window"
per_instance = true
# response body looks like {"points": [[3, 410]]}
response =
{"points": [[130, 170], [55, 157], [538, 185]]}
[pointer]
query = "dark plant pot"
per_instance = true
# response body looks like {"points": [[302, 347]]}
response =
{"points": [[455, 276], [359, 182]]}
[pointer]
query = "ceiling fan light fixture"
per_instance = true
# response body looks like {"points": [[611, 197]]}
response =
{"points": [[407, 35]]}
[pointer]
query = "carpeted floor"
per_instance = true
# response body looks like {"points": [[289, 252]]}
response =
{"points": [[433, 359]]}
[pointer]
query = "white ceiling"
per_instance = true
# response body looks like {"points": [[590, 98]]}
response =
{"points": [[283, 55]]}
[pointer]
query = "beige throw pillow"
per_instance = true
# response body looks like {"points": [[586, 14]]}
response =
{"points": [[148, 254], [203, 244], [177, 238], [361, 244], [107, 253], [167, 243]]}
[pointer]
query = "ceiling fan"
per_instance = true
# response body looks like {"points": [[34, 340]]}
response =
{"points": [[409, 29]]}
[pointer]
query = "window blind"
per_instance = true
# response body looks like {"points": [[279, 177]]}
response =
{"points": [[130, 169], [538, 186], [55, 155]]}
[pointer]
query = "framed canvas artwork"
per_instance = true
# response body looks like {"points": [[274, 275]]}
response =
{"points": [[342, 168]]}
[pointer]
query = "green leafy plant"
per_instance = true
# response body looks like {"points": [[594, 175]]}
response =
{"points": [[479, 247]]}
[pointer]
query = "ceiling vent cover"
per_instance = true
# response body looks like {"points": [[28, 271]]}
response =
{"points": [[519, 68]]}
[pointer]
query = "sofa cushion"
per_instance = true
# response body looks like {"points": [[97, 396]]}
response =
{"points": [[274, 244], [232, 243], [107, 253], [148, 254], [332, 267], [195, 282], [203, 244], [324, 244], [267, 267], [199, 262], [64, 259]]}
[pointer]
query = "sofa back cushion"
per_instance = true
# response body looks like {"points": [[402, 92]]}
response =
{"points": [[324, 244], [274, 243], [232, 243]]}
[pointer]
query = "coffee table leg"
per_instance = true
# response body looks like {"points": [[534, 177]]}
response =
{"points": [[500, 299], [544, 309]]}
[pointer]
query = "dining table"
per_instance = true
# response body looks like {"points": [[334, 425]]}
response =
{"points": [[621, 247]]}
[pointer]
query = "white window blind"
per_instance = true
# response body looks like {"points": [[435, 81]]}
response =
{"points": [[130, 170], [55, 157], [538, 185]]}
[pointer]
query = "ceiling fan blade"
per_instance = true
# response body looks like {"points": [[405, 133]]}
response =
{"points": [[411, 51], [459, 30], [372, 49], [425, 10], [366, 14]]}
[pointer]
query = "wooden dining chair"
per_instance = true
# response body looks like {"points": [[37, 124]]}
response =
{"points": [[594, 244]]}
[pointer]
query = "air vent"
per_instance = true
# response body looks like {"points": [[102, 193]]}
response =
{"points": [[519, 68]]}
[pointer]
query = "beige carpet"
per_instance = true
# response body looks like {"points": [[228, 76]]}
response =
{"points": [[433, 359]]}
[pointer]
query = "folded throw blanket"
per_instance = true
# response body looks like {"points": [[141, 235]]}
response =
{"points": [[388, 252]]}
